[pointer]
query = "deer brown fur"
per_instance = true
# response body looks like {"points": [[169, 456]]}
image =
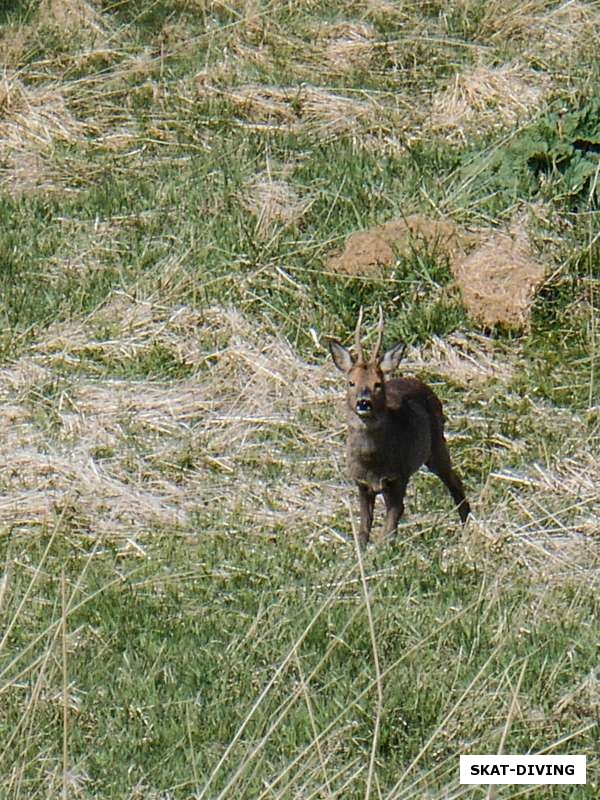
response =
{"points": [[395, 427]]}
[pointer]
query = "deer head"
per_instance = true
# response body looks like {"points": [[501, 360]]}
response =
{"points": [[365, 386]]}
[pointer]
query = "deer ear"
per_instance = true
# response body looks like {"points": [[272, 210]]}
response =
{"points": [[392, 358], [341, 357]]}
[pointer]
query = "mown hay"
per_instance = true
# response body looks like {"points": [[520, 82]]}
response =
{"points": [[505, 20], [497, 273], [13, 42], [33, 120], [108, 452], [567, 28], [254, 432], [306, 107], [365, 253], [36, 116], [499, 278], [466, 359], [552, 33], [273, 202], [485, 98], [554, 517], [346, 46], [71, 14], [373, 252]]}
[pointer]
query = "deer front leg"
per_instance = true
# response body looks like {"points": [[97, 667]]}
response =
{"points": [[393, 495], [367, 501]]}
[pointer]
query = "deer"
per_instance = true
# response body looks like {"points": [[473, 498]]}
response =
{"points": [[395, 426]]}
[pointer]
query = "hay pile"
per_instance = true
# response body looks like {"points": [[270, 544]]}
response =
{"points": [[499, 278], [497, 272], [374, 251]]}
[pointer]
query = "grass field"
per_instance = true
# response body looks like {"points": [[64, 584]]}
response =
{"points": [[183, 611]]}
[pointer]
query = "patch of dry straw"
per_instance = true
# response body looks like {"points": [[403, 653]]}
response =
{"points": [[467, 359], [273, 202], [71, 14], [321, 111], [551, 517], [485, 98], [34, 119], [252, 440], [106, 454], [499, 278], [505, 20], [567, 29], [344, 46]]}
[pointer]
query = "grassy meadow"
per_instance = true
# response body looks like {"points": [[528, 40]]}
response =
{"points": [[183, 610]]}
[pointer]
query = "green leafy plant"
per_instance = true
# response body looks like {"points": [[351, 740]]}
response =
{"points": [[556, 158]]}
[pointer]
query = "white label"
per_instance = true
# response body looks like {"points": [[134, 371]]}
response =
{"points": [[522, 769]]}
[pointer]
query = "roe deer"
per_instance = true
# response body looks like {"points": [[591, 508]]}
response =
{"points": [[395, 426]]}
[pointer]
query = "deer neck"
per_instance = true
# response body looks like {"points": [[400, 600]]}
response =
{"points": [[369, 426]]}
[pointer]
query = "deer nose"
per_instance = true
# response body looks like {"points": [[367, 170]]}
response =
{"points": [[363, 405]]}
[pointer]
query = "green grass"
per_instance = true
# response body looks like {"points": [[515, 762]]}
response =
{"points": [[166, 657], [182, 610]]}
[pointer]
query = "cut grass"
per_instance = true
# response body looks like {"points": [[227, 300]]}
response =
{"points": [[181, 607]]}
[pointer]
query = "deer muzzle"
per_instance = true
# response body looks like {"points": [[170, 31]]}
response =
{"points": [[364, 406]]}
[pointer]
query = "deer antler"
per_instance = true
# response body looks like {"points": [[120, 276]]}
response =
{"points": [[375, 355], [359, 351]]}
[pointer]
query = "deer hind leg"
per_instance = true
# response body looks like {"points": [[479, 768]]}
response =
{"points": [[440, 464], [393, 495], [367, 502]]}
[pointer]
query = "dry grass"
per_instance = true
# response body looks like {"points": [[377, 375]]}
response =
{"points": [[267, 384], [37, 117], [499, 278], [553, 513], [72, 445], [466, 359], [486, 98], [273, 202], [374, 251], [503, 20], [346, 46], [34, 120], [123, 457], [24, 172], [13, 43], [569, 28], [71, 15], [546, 32], [320, 112]]}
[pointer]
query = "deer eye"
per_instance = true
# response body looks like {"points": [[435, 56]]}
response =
{"points": [[351, 383]]}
